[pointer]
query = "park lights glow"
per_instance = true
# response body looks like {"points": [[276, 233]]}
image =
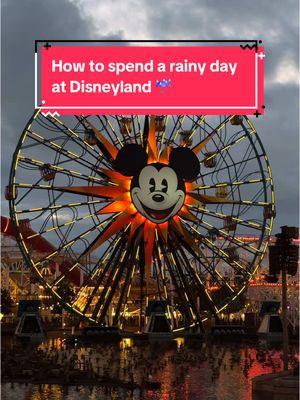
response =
{"points": [[128, 203]]}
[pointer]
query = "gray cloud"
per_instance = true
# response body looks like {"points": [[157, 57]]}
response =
{"points": [[275, 23], [23, 22]]}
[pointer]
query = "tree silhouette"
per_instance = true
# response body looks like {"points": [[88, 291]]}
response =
{"points": [[6, 302]]}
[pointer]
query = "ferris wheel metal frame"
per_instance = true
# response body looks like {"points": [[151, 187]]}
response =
{"points": [[174, 262]]}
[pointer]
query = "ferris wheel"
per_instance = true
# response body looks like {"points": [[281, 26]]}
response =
{"points": [[160, 203]]}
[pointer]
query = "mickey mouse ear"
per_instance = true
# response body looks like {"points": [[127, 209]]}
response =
{"points": [[185, 162], [130, 159]]}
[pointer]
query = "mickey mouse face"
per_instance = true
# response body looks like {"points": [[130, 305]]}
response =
{"points": [[157, 193], [157, 190]]}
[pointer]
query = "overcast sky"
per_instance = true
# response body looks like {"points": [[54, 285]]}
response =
{"points": [[275, 22]]}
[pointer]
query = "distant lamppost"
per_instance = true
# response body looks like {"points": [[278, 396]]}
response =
{"points": [[283, 257]]}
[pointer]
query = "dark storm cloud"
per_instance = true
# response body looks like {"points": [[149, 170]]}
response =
{"points": [[22, 23], [274, 22], [279, 131]]}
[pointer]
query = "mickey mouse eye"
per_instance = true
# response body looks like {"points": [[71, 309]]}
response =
{"points": [[165, 185], [152, 185]]}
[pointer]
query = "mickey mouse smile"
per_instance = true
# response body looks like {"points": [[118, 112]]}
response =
{"points": [[158, 215], [157, 190]]}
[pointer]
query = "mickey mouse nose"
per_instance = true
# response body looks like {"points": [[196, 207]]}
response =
{"points": [[158, 198]]}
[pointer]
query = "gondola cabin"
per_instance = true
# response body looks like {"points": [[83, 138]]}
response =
{"points": [[159, 121], [210, 160], [222, 192], [236, 120], [232, 254], [126, 126], [186, 138], [90, 137], [229, 224], [47, 173], [11, 192], [269, 211]]}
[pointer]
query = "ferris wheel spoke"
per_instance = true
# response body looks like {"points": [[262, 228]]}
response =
{"points": [[72, 135], [223, 255], [107, 260], [125, 290], [240, 244], [126, 133], [110, 252], [254, 198], [223, 217], [158, 276], [196, 122], [30, 188], [176, 127], [216, 170], [137, 134], [226, 257], [160, 268], [68, 223], [60, 206], [201, 145], [142, 270], [246, 157], [117, 222], [207, 199], [110, 287], [57, 148], [186, 285], [227, 146], [129, 286], [260, 191], [140, 132], [181, 284], [227, 184], [213, 272], [161, 140], [71, 242], [107, 148], [58, 169], [231, 239], [116, 141], [183, 300], [197, 280], [193, 128], [94, 191]]}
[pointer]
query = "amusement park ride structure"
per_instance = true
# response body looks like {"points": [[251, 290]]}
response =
{"points": [[128, 209]]}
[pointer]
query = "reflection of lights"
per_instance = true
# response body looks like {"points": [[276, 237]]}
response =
{"points": [[180, 342], [126, 343]]}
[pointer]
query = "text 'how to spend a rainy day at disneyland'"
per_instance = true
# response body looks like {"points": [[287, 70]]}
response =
{"points": [[103, 79]]}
